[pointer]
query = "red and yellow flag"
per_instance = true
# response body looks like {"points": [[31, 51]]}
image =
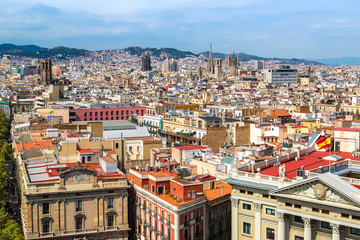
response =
{"points": [[324, 144]]}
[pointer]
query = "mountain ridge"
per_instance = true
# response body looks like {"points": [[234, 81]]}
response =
{"points": [[63, 52]]}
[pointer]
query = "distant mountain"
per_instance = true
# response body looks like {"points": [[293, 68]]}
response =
{"points": [[170, 52], [243, 57], [339, 61], [40, 52], [8, 47]]}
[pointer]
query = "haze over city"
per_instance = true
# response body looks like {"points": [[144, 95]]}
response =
{"points": [[282, 28]]}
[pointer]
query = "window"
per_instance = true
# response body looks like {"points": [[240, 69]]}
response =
{"points": [[96, 113], [297, 206], [247, 228], [127, 112], [112, 113], [270, 211], [355, 217], [265, 196], [197, 230], [110, 202], [315, 210], [242, 191], [298, 219], [169, 218], [355, 231], [46, 226], [270, 233], [116, 145], [186, 220], [117, 112], [45, 208], [78, 222], [325, 225], [162, 229], [101, 113], [85, 114], [78, 205], [90, 114], [169, 232], [345, 215], [110, 220], [298, 238], [325, 211], [106, 113], [122, 112], [288, 204], [246, 206], [186, 233], [250, 193]]}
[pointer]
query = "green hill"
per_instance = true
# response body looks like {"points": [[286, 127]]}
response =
{"points": [[39, 52], [171, 52]]}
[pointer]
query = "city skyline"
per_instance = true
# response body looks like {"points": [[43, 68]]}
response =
{"points": [[264, 28]]}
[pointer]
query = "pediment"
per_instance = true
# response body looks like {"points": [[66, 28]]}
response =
{"points": [[325, 187]]}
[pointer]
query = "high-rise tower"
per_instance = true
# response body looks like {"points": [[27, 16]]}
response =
{"points": [[45, 72], [145, 62]]}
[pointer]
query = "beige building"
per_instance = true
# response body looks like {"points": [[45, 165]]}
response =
{"points": [[73, 201], [324, 206]]}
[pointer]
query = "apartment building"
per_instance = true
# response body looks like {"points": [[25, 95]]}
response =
{"points": [[177, 205]]}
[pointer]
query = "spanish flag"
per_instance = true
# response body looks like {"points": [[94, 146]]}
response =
{"points": [[325, 143]]}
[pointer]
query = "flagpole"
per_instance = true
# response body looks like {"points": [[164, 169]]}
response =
{"points": [[329, 156]]}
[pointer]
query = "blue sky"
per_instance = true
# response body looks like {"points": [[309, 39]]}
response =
{"points": [[269, 28]]}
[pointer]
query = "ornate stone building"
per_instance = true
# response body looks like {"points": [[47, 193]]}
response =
{"points": [[321, 207], [74, 201]]}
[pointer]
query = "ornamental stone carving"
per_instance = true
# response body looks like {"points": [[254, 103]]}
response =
{"points": [[234, 202], [281, 217], [329, 195], [335, 228], [257, 207], [307, 222]]}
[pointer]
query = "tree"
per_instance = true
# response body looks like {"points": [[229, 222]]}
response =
{"points": [[9, 229]]}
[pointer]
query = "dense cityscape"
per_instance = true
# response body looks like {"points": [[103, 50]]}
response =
{"points": [[191, 120]]}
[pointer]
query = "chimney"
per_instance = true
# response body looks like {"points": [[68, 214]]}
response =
{"points": [[222, 191], [169, 164]]}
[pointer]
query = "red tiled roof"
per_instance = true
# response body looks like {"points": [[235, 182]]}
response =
{"points": [[88, 150]]}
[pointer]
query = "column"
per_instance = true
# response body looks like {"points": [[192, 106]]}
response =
{"points": [[234, 218], [307, 228], [335, 231], [257, 221], [281, 226]]}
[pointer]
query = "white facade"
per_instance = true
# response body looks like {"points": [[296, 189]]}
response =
{"points": [[284, 75]]}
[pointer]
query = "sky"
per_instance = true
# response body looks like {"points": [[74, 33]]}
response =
{"points": [[311, 29]]}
